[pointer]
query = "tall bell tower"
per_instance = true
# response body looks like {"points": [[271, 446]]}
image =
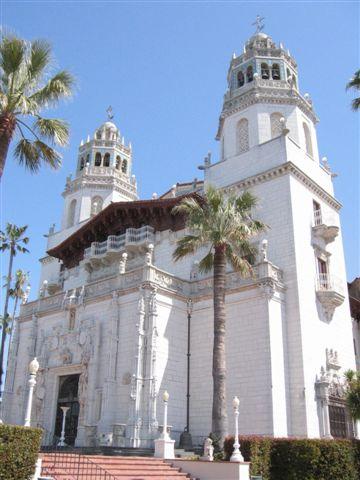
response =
{"points": [[103, 175], [268, 145]]}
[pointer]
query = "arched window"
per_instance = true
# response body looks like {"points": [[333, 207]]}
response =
{"points": [[82, 163], [124, 166], [265, 72], [71, 214], [249, 74], [97, 159], [288, 74], [118, 162], [98, 135], [96, 205], [308, 143], [87, 159], [106, 160], [240, 79], [276, 125], [275, 71], [242, 135]]}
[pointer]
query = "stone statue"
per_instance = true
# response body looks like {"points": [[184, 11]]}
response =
{"points": [[208, 450]]}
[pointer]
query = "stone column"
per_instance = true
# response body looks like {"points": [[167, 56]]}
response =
{"points": [[274, 299], [135, 420], [322, 394]]}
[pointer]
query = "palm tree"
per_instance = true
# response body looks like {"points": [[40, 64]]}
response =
{"points": [[12, 239], [354, 83], [224, 226], [353, 393], [26, 88], [17, 292]]}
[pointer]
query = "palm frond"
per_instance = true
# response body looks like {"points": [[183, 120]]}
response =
{"points": [[32, 153], [12, 51], [58, 87], [354, 82], [355, 104], [53, 129], [40, 58], [185, 246], [206, 264]]}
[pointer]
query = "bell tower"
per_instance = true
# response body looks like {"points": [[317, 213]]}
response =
{"points": [[103, 175], [261, 102]]}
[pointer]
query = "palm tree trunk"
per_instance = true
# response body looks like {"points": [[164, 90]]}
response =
{"points": [[7, 128], [219, 415], [4, 325]]}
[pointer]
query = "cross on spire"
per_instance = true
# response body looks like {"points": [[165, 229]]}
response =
{"points": [[259, 23], [110, 113]]}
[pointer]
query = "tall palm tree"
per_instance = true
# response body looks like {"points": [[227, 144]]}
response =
{"points": [[17, 291], [26, 88], [354, 83], [224, 226], [13, 240]]}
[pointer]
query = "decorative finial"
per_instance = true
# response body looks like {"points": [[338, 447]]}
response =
{"points": [[110, 113], [259, 23]]}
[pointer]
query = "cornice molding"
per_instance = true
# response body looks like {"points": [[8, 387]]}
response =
{"points": [[275, 96], [286, 168]]}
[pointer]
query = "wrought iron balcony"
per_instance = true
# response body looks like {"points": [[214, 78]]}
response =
{"points": [[324, 227], [133, 238], [330, 292]]}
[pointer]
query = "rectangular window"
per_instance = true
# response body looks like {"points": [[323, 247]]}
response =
{"points": [[337, 416], [317, 213]]}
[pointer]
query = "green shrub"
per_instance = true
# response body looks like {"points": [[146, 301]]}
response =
{"points": [[19, 447], [299, 459], [337, 460], [255, 449], [294, 459]]}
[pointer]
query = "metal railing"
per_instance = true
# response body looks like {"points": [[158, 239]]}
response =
{"points": [[326, 282], [317, 218], [116, 243], [65, 463], [321, 219]]}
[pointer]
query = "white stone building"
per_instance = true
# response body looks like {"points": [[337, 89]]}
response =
{"points": [[110, 325]]}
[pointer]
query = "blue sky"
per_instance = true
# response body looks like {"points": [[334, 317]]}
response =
{"points": [[162, 66]]}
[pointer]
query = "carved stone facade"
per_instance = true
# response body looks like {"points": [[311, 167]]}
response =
{"points": [[115, 316]]}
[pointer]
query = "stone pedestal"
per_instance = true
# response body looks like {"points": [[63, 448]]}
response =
{"points": [[164, 448]]}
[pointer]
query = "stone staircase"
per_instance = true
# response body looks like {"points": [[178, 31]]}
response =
{"points": [[109, 468]]}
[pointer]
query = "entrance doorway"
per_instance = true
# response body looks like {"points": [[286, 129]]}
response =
{"points": [[68, 397]]}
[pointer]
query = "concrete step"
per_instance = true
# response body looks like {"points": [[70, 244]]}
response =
{"points": [[64, 466]]}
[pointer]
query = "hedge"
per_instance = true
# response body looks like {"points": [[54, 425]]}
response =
{"points": [[299, 459], [19, 447]]}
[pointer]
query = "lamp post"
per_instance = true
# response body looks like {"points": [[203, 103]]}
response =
{"points": [[62, 437], [185, 437], [165, 435], [33, 369], [164, 446], [236, 455]]}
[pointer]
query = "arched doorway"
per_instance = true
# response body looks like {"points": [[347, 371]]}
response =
{"points": [[68, 397]]}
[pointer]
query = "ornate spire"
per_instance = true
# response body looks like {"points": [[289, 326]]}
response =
{"points": [[259, 24], [110, 113]]}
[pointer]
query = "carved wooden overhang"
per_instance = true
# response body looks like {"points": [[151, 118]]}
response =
{"points": [[115, 219]]}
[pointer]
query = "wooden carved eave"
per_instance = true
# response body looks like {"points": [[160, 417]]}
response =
{"points": [[115, 219]]}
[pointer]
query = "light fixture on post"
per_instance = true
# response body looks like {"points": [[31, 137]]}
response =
{"points": [[185, 437], [62, 437], [164, 446], [33, 369], [236, 455]]}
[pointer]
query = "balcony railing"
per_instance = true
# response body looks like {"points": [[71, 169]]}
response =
{"points": [[324, 226], [118, 243], [328, 283]]}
